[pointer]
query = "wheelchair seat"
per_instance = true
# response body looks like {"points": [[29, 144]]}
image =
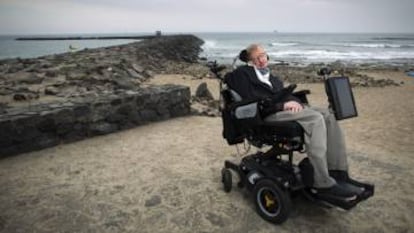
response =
{"points": [[287, 129]]}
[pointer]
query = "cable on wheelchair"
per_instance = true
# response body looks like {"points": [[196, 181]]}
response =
{"points": [[246, 148]]}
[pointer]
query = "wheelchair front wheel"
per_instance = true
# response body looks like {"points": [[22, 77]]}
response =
{"points": [[272, 203]]}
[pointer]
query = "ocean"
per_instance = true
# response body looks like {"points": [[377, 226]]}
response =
{"points": [[12, 48], [296, 48], [305, 48]]}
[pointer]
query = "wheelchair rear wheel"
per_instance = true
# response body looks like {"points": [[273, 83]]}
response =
{"points": [[226, 179], [272, 203]]}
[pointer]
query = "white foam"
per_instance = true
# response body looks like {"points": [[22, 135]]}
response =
{"points": [[283, 44], [210, 44], [366, 45], [340, 55]]}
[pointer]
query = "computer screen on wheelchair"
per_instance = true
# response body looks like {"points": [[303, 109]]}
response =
{"points": [[341, 98]]}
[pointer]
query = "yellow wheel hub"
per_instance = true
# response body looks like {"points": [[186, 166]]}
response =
{"points": [[269, 201]]}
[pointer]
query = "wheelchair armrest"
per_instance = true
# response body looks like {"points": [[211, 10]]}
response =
{"points": [[302, 95], [249, 110], [238, 118]]}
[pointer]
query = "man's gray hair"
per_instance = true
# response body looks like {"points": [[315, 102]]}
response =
{"points": [[251, 48]]}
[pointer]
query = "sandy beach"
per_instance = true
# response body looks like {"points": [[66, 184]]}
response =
{"points": [[165, 176]]}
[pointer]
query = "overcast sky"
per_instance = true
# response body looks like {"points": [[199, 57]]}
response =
{"points": [[129, 16]]}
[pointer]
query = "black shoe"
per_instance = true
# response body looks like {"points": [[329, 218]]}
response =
{"points": [[339, 175], [351, 187], [343, 179], [336, 191]]}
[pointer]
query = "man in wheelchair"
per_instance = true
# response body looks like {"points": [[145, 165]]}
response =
{"points": [[323, 137], [258, 108]]}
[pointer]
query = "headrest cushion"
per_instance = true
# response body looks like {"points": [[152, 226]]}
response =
{"points": [[243, 56]]}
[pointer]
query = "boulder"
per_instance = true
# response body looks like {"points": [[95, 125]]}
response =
{"points": [[3, 107], [137, 68], [24, 78], [51, 90], [24, 96], [203, 92]]}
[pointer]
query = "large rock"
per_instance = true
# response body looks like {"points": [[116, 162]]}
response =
{"points": [[202, 92], [23, 78]]}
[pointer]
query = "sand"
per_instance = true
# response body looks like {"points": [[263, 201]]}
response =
{"points": [[165, 176]]}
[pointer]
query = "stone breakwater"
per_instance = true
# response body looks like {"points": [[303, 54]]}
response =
{"points": [[92, 72], [61, 98]]}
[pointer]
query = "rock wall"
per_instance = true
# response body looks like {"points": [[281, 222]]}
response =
{"points": [[46, 125]]}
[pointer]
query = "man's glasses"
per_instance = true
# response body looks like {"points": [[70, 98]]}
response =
{"points": [[261, 56]]}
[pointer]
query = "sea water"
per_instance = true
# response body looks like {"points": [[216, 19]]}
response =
{"points": [[305, 48], [12, 48], [299, 48]]}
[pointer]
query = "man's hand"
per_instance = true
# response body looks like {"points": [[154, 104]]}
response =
{"points": [[292, 106]]}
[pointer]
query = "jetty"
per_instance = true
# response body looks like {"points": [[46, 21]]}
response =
{"points": [[89, 38], [136, 37]]}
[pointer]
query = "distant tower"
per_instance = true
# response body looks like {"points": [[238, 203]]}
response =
{"points": [[158, 33]]}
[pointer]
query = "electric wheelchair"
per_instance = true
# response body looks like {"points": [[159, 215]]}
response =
{"points": [[273, 176]]}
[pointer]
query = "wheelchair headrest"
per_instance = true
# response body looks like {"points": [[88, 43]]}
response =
{"points": [[243, 56]]}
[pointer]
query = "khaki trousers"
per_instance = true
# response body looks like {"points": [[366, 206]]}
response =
{"points": [[324, 141]]}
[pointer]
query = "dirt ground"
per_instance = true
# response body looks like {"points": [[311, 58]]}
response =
{"points": [[165, 176]]}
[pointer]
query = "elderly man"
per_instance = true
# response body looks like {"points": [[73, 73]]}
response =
{"points": [[323, 137]]}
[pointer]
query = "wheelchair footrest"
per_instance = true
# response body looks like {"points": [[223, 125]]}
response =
{"points": [[362, 192]]}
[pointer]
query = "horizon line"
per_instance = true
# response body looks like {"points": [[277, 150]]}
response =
{"points": [[194, 32]]}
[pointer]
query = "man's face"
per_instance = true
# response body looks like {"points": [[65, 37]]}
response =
{"points": [[259, 58]]}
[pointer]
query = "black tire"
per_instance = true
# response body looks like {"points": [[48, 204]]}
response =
{"points": [[226, 179], [272, 203]]}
